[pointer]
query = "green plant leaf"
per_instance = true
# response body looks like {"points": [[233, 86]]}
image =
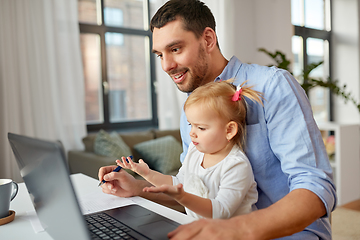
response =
{"points": [[309, 83]]}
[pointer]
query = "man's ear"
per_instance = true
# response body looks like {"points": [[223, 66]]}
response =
{"points": [[231, 130], [209, 36]]}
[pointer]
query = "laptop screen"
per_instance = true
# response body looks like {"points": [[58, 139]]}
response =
{"points": [[43, 167]]}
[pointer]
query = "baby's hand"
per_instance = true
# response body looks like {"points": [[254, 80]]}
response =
{"points": [[175, 192], [140, 168]]}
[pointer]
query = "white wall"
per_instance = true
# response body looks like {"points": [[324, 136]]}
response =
{"points": [[345, 59], [262, 24]]}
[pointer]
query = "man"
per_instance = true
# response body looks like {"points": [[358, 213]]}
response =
{"points": [[284, 145]]}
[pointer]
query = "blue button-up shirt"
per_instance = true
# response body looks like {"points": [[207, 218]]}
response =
{"points": [[284, 144]]}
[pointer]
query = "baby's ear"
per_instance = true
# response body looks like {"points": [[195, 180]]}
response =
{"points": [[231, 130]]}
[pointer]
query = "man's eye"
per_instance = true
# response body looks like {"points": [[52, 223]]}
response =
{"points": [[176, 49], [159, 56]]}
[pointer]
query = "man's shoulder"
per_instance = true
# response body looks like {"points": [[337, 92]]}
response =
{"points": [[258, 71], [242, 70], [255, 73], [262, 77]]}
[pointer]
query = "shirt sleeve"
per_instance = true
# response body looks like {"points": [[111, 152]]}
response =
{"points": [[296, 140]]}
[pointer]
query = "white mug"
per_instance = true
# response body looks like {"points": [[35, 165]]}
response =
{"points": [[8, 191]]}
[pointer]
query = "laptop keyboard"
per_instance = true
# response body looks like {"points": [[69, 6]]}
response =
{"points": [[102, 226]]}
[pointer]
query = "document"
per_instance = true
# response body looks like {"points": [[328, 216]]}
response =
{"points": [[97, 201]]}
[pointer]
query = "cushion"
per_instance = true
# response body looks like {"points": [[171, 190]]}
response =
{"points": [[163, 133], [111, 145], [89, 142], [161, 154], [133, 138]]}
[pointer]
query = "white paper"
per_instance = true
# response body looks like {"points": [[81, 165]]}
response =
{"points": [[97, 201]]}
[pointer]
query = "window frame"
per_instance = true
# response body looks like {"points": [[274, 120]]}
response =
{"points": [[101, 30], [305, 33]]}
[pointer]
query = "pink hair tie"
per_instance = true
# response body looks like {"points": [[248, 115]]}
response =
{"points": [[237, 95]]}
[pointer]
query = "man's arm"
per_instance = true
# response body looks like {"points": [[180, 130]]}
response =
{"points": [[289, 215]]}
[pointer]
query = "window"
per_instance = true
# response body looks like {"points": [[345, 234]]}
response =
{"points": [[118, 65], [311, 44]]}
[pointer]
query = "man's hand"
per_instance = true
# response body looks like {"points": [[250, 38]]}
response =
{"points": [[208, 229], [121, 183]]}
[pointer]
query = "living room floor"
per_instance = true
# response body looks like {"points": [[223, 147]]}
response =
{"points": [[346, 221], [355, 205]]}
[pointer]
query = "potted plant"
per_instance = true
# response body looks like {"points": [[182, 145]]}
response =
{"points": [[309, 82]]}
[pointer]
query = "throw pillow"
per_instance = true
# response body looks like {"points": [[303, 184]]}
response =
{"points": [[111, 145], [161, 154]]}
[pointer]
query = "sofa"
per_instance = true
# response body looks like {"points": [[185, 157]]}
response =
{"points": [[160, 149]]}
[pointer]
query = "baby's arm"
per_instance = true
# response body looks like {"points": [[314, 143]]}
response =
{"points": [[141, 168], [199, 205]]}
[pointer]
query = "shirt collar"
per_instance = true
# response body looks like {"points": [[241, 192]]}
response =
{"points": [[231, 69]]}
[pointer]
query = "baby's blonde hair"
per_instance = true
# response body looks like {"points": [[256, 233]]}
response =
{"points": [[217, 96]]}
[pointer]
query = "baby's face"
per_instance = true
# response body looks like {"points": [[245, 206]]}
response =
{"points": [[208, 130]]}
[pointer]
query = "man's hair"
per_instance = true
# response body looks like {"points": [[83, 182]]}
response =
{"points": [[195, 15]]}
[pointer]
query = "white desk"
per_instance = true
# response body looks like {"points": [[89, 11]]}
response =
{"points": [[21, 227]]}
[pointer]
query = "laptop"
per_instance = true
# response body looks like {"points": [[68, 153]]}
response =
{"points": [[43, 167]]}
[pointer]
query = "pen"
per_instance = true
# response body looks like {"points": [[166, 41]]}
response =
{"points": [[115, 170]]}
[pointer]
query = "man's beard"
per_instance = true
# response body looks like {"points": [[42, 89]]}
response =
{"points": [[197, 76]]}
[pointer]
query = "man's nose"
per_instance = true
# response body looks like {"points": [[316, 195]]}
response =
{"points": [[168, 63]]}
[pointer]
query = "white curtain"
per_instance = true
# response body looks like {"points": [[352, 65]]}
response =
{"points": [[170, 99], [41, 79]]}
